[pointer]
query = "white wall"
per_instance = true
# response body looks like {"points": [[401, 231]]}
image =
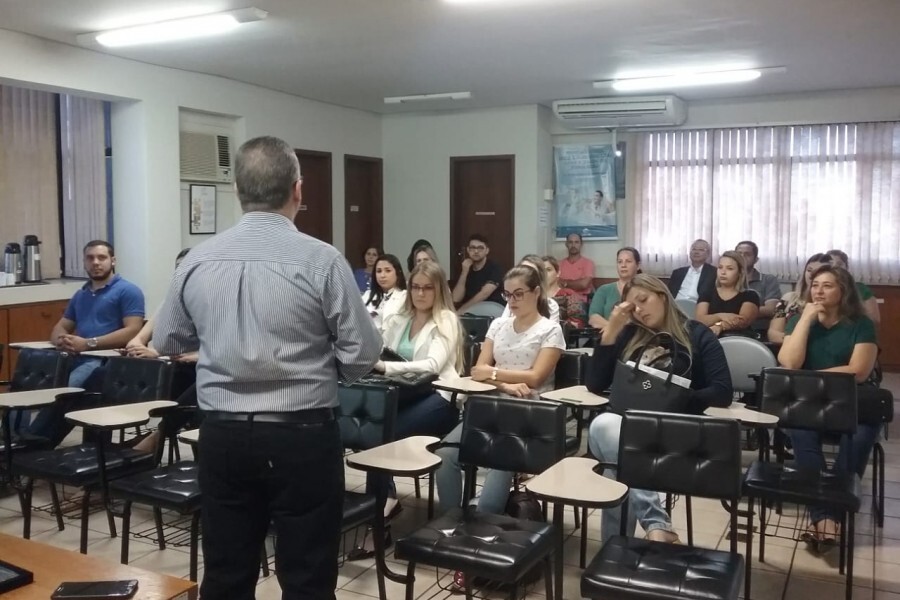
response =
{"points": [[417, 150], [146, 187]]}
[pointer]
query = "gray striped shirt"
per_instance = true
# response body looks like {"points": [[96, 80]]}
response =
{"points": [[276, 315]]}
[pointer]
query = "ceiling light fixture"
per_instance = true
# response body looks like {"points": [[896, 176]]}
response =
{"points": [[428, 97], [687, 79], [172, 30]]}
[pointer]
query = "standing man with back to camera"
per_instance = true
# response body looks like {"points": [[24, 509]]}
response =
{"points": [[277, 318]]}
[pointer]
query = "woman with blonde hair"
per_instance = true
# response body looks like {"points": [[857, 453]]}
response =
{"points": [[793, 302], [647, 308], [427, 334], [730, 306]]}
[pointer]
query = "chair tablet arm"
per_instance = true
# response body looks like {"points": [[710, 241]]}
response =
{"points": [[409, 456]]}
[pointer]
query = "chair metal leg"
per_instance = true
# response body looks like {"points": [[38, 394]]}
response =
{"points": [[85, 519], [410, 581], [577, 517], [548, 578], [126, 528], [748, 554], [762, 530], [264, 560], [57, 509], [690, 520], [514, 592], [430, 496], [842, 562], [25, 500], [669, 505], [878, 483], [195, 534], [160, 537], [469, 595], [418, 486], [582, 557], [851, 532]]}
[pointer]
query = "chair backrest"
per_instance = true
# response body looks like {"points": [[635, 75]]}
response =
{"points": [[570, 370], [130, 380], [746, 357], [810, 400], [680, 454], [471, 350], [367, 415], [512, 434], [39, 370], [688, 307], [475, 326], [172, 420]]}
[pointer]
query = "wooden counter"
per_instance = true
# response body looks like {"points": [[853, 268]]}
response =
{"points": [[51, 566]]}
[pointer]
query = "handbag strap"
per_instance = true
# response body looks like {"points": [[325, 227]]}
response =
{"points": [[674, 351]]}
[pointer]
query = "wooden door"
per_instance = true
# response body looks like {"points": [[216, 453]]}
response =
{"points": [[482, 200], [314, 217], [363, 209]]}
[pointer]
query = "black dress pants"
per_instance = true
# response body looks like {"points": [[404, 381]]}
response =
{"points": [[252, 474]]}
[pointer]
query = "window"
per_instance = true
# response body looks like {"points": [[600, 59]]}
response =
{"points": [[54, 176], [794, 190]]}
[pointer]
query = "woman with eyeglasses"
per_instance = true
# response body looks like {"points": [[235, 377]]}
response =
{"points": [[427, 334], [387, 294], [537, 263], [519, 357]]}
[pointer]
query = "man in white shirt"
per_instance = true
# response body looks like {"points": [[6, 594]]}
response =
{"points": [[687, 283]]}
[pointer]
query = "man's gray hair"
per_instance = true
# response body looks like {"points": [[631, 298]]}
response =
{"points": [[265, 170]]}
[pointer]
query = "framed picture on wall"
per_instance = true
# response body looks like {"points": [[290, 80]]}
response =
{"points": [[202, 209]]}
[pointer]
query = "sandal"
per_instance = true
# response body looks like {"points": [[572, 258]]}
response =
{"points": [[361, 552], [811, 538], [828, 532]]}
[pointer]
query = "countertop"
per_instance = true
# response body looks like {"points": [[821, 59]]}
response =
{"points": [[54, 289]]}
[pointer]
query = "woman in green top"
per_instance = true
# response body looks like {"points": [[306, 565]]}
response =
{"points": [[831, 334], [869, 301], [628, 264]]}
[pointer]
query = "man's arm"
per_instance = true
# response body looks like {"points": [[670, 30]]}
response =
{"points": [[582, 283], [357, 343], [767, 310], [63, 327], [173, 330], [459, 290], [483, 294], [771, 295]]}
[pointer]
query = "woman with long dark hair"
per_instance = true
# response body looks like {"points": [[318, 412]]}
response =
{"points": [[832, 333], [387, 294]]}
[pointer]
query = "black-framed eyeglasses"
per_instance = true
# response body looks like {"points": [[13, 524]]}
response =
{"points": [[477, 248], [422, 288], [516, 295]]}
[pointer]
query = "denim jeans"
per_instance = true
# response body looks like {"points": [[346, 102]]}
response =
{"points": [[643, 505], [808, 455], [50, 423], [448, 478]]}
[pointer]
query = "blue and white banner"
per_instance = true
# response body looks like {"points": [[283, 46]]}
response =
{"points": [[585, 191]]}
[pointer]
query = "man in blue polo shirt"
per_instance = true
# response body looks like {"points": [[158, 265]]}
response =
{"points": [[104, 314]]}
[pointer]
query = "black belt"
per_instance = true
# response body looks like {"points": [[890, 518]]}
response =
{"points": [[307, 417]]}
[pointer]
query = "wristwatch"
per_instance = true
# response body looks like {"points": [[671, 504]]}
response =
{"points": [[92, 343], [494, 374]]}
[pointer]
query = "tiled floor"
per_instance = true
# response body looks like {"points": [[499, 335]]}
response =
{"points": [[791, 571]]}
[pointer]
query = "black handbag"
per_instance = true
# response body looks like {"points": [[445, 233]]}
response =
{"points": [[635, 389]]}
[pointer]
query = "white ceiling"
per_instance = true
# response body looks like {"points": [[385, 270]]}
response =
{"points": [[506, 52]]}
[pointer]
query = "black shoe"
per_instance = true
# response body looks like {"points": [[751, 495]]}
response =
{"points": [[360, 552]]}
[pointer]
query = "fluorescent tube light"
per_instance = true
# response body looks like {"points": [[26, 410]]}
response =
{"points": [[428, 97], [175, 29], [680, 80]]}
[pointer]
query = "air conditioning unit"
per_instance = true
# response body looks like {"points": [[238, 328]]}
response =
{"points": [[615, 112], [205, 157]]}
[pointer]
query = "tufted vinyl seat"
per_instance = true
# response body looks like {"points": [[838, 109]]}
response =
{"points": [[679, 454], [509, 434], [496, 547], [174, 484], [77, 465]]}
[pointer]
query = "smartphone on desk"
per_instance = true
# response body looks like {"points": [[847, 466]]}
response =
{"points": [[95, 590]]}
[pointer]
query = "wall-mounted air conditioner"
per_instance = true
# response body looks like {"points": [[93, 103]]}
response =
{"points": [[616, 112], [205, 157]]}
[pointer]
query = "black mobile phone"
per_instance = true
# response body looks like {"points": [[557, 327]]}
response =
{"points": [[95, 590]]}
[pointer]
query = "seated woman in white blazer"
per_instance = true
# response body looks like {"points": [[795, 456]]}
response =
{"points": [[427, 333]]}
